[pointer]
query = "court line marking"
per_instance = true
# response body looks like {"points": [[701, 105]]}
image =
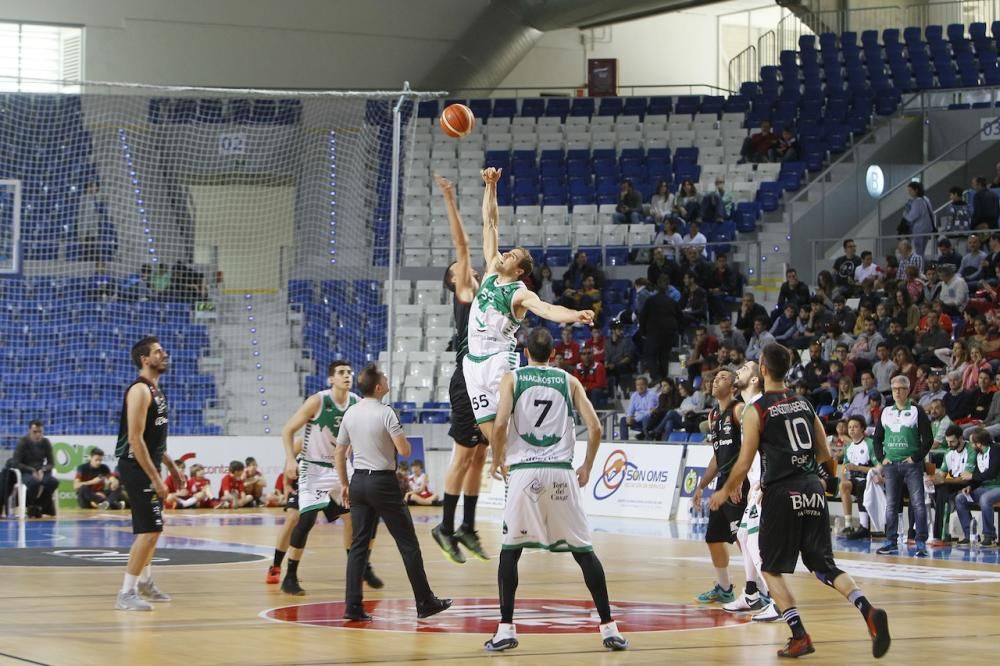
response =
{"points": [[24, 659]]}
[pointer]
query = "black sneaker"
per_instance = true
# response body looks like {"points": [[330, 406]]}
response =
{"points": [[356, 614], [878, 629], [963, 541], [373, 581], [470, 539], [290, 585], [988, 542], [860, 533], [448, 545], [432, 606], [890, 548]]}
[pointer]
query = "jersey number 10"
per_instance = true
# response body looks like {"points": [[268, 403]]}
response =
{"points": [[800, 434]]}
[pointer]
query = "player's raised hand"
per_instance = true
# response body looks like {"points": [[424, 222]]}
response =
{"points": [[446, 186], [291, 470], [585, 317], [491, 175]]}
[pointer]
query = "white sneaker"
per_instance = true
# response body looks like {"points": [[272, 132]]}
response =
{"points": [[769, 614], [504, 639], [150, 592], [612, 639], [103, 506], [130, 601], [744, 604]]}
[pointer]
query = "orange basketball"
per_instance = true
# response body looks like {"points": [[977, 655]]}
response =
{"points": [[457, 120]]}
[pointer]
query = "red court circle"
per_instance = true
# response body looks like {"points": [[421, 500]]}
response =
{"points": [[532, 616]]}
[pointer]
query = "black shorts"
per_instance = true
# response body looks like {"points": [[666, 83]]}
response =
{"points": [[858, 485], [145, 504], [723, 524], [794, 520], [292, 501], [464, 429], [332, 511]]}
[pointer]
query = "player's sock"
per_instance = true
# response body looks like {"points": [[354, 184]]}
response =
{"points": [[147, 574], [860, 601], [751, 588], [130, 583], [722, 578], [791, 616], [507, 578], [293, 569], [448, 515], [469, 513], [279, 557], [593, 576]]}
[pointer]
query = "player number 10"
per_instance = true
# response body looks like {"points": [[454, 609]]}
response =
{"points": [[799, 434]]}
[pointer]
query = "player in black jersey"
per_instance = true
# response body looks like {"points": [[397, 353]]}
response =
{"points": [[465, 471], [794, 516], [723, 522], [141, 448]]}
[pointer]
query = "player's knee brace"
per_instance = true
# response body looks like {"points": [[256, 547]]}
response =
{"points": [[300, 533], [827, 577]]}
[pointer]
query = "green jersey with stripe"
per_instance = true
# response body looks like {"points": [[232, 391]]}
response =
{"points": [[320, 439], [492, 323], [542, 430]]}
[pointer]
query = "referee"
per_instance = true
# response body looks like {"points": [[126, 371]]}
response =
{"points": [[374, 431]]}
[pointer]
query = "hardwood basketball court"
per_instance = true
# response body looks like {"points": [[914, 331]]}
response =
{"points": [[59, 610]]}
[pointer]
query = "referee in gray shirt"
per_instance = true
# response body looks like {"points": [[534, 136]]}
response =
{"points": [[374, 431]]}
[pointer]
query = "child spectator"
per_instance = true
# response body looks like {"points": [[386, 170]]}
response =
{"points": [[199, 489], [417, 490], [175, 494], [232, 494], [253, 481], [95, 487]]}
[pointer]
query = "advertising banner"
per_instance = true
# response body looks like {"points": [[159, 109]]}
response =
{"points": [[698, 457]]}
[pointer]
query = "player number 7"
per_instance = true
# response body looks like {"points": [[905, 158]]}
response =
{"points": [[545, 412]]}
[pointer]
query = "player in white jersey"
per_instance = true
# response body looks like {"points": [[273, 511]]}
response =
{"points": [[318, 483], [750, 386], [535, 437], [501, 303]]}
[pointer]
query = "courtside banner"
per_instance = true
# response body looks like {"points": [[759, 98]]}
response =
{"points": [[698, 457]]}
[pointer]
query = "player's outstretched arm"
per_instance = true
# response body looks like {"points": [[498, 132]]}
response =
{"points": [[460, 239], [298, 421], [498, 442], [748, 449], [491, 219], [589, 417], [525, 299]]}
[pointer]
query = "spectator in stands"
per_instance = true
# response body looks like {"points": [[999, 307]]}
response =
{"points": [[902, 440], [640, 406], [955, 219], [991, 422], [983, 489], [947, 482], [231, 491], [703, 352], [867, 392], [982, 396], [883, 368], [935, 390], [661, 265], [33, 456], [186, 284], [760, 339], [587, 297], [694, 238], [985, 205], [993, 258], [867, 269], [932, 288], [787, 147], [629, 208], [688, 202], [668, 399], [820, 322], [159, 282], [694, 300], [954, 291], [418, 491], [668, 238], [544, 285], [931, 340], [749, 312], [905, 364], [596, 343], [759, 146], [844, 315], [863, 351], [845, 266], [693, 263], [253, 481], [918, 220], [977, 363], [687, 414], [947, 254], [786, 326], [940, 422], [723, 284], [974, 260], [729, 336], [567, 351], [592, 376], [661, 205], [907, 314], [620, 359], [580, 270], [957, 401], [718, 204], [793, 290], [659, 322], [95, 486]]}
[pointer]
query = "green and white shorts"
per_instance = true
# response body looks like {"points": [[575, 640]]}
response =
{"points": [[545, 510], [482, 381], [319, 485]]}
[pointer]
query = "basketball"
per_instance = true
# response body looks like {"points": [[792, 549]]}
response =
{"points": [[457, 120]]}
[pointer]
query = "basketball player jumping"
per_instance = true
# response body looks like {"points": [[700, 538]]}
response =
{"points": [[534, 439], [500, 305], [795, 518], [319, 485], [468, 454], [142, 447]]}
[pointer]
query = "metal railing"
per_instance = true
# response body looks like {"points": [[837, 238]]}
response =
{"points": [[937, 100], [767, 49], [944, 13], [743, 67], [581, 90]]}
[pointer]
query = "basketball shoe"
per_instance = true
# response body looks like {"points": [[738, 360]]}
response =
{"points": [[612, 639], [797, 647], [448, 545], [717, 594], [878, 629], [504, 639], [470, 539], [273, 575]]}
